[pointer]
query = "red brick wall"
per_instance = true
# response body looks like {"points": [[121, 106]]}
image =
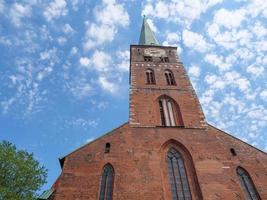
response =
{"points": [[138, 158]]}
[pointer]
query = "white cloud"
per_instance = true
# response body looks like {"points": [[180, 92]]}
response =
{"points": [[19, 11], [195, 41], [55, 9], [173, 37], [229, 19], [194, 71], [74, 50], [109, 17], [61, 40], [107, 85], [98, 34], [67, 29], [100, 61], [49, 54], [218, 61], [263, 95], [84, 61], [184, 12], [112, 13], [255, 70], [124, 57], [6, 104]]}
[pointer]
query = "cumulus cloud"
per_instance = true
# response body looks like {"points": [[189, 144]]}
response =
{"points": [[107, 85], [112, 13], [263, 95], [67, 29], [218, 61], [98, 34], [100, 61], [195, 41], [171, 10], [124, 57], [194, 71], [255, 70], [229, 19], [55, 9], [109, 17], [18, 12]]}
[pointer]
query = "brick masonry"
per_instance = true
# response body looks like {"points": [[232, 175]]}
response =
{"points": [[138, 148]]}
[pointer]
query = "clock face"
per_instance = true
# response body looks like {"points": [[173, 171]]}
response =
{"points": [[155, 52]]}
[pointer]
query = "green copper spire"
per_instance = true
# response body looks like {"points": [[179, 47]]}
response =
{"points": [[147, 37]]}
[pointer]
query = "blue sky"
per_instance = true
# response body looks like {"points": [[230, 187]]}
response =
{"points": [[64, 67]]}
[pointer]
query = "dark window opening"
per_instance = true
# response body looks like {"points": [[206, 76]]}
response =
{"points": [[138, 51], [106, 185], [107, 148], [148, 58], [150, 77], [177, 176], [233, 152], [163, 122], [247, 184], [169, 77], [164, 59]]}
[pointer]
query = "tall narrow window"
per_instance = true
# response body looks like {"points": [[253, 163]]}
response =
{"points": [[247, 184], [169, 77], [106, 186], [170, 114], [177, 175], [150, 77]]}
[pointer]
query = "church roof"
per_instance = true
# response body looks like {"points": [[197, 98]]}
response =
{"points": [[147, 36], [46, 194]]}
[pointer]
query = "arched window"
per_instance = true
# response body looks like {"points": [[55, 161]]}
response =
{"points": [[177, 175], [106, 186], [150, 77], [169, 77], [169, 112], [247, 184]]}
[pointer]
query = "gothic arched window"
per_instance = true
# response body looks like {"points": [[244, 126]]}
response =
{"points": [[170, 112], [106, 186], [150, 77], [177, 175], [247, 184], [169, 77]]}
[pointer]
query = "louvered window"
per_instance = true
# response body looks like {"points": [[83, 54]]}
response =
{"points": [[106, 186], [150, 77], [177, 175], [247, 184], [169, 77]]}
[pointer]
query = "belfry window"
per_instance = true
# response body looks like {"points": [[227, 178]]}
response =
{"points": [[170, 114], [164, 59], [177, 176], [247, 184], [106, 186], [150, 77], [169, 77], [148, 58]]}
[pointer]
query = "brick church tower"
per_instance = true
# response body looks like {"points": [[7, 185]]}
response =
{"points": [[167, 151]]}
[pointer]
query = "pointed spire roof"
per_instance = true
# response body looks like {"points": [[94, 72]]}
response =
{"points": [[147, 36]]}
